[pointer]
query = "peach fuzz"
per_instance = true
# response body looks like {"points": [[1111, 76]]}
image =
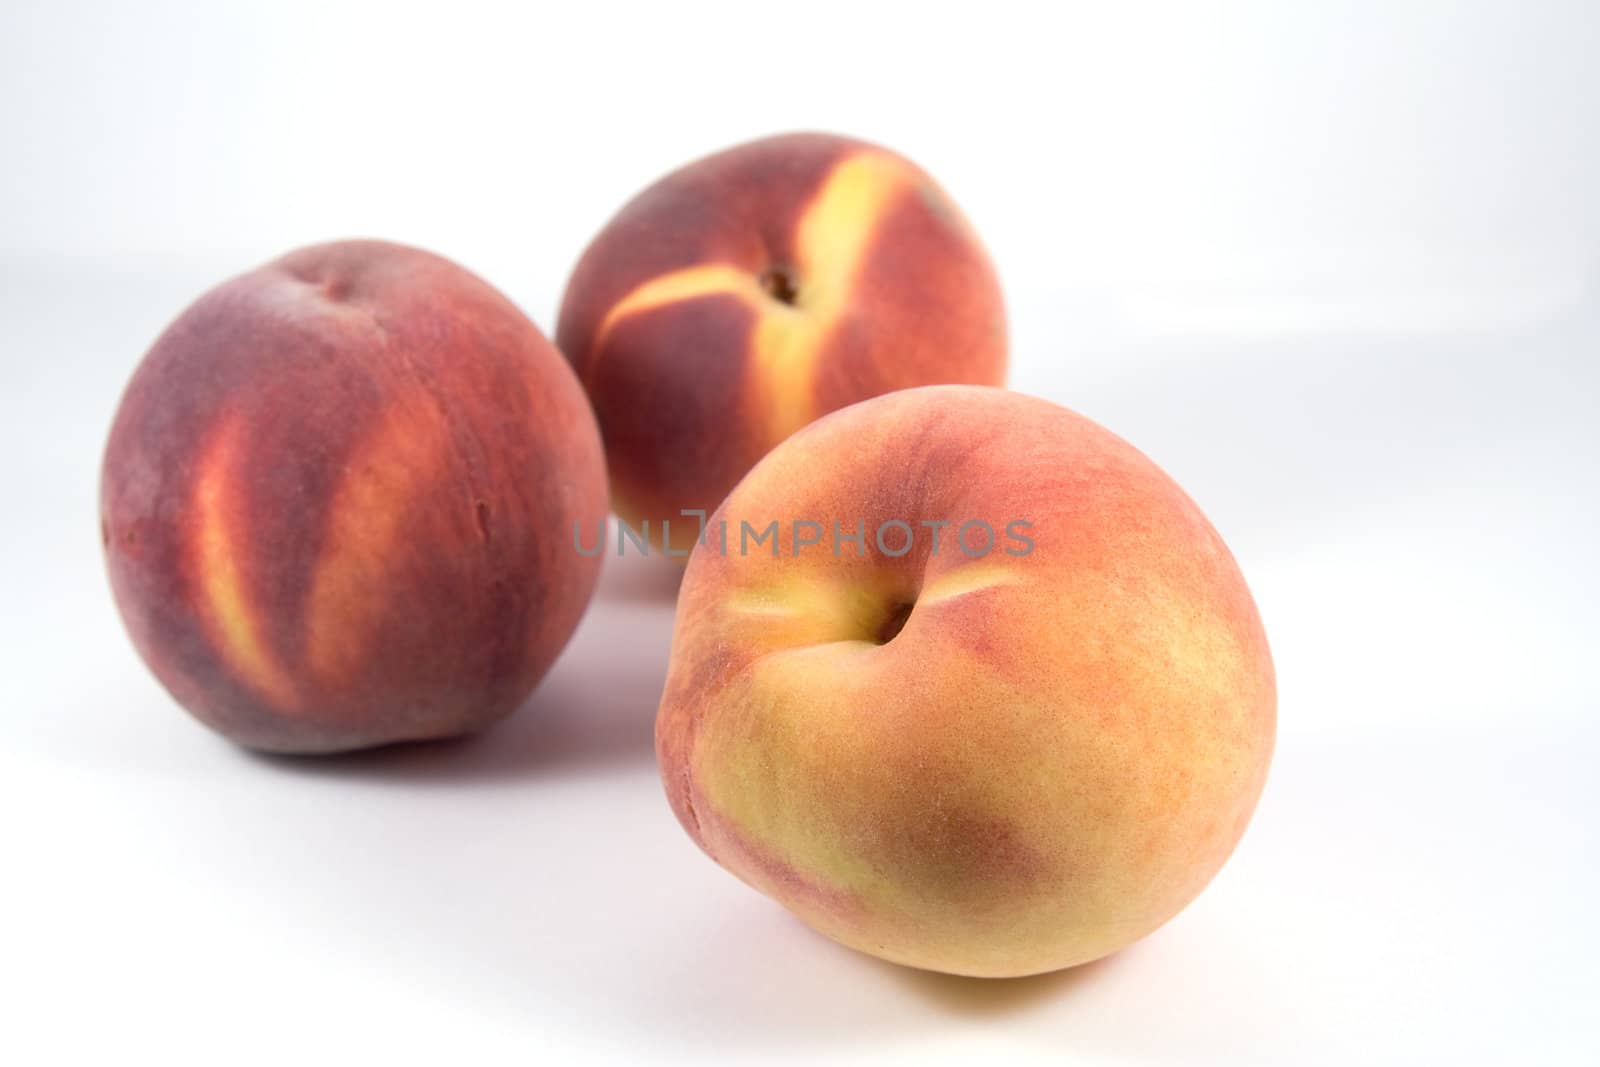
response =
{"points": [[338, 498], [742, 296], [989, 764]]}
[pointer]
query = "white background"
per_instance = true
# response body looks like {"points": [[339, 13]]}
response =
{"points": [[1335, 267]]}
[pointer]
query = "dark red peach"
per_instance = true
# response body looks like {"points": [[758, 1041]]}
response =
{"points": [[338, 502], [741, 297]]}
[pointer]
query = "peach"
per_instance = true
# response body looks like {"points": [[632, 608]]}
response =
{"points": [[744, 295], [992, 697], [338, 497]]}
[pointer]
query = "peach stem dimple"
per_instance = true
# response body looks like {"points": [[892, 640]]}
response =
{"points": [[894, 622], [779, 284]]}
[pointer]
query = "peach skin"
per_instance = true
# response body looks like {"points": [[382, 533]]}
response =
{"points": [[338, 497], [992, 698], [744, 295]]}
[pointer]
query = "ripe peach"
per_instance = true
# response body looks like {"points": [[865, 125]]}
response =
{"points": [[338, 498], [744, 295], [992, 753]]}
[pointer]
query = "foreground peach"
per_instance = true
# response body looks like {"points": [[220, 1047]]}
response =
{"points": [[990, 754], [338, 498], [741, 297]]}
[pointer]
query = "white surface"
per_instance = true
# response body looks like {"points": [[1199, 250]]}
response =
{"points": [[1337, 273]]}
